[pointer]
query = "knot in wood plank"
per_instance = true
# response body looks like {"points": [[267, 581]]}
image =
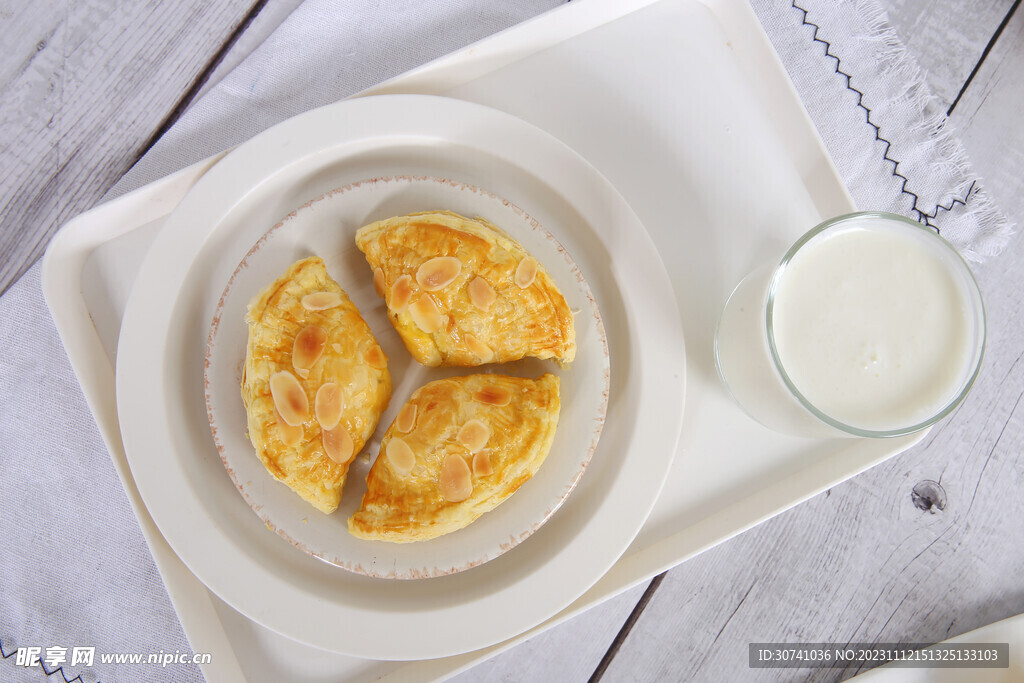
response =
{"points": [[928, 495]]}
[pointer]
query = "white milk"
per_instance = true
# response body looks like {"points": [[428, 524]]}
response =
{"points": [[875, 322]]}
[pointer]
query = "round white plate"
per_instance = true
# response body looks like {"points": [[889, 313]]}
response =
{"points": [[161, 402], [326, 227]]}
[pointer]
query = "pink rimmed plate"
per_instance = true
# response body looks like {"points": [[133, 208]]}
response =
{"points": [[326, 227]]}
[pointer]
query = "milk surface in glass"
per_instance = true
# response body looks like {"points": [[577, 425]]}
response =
{"points": [[872, 327]]}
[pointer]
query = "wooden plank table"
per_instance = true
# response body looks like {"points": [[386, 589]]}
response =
{"points": [[885, 557]]}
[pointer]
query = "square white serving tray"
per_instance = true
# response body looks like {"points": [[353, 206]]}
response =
{"points": [[686, 108]]}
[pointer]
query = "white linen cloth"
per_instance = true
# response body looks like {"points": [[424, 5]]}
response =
{"points": [[74, 568], [886, 132]]}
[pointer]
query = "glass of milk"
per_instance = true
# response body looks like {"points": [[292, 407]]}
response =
{"points": [[871, 325]]}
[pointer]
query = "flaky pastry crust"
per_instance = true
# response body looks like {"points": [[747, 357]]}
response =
{"points": [[342, 352], [458, 448]]}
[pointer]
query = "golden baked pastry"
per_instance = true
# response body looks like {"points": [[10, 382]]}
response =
{"points": [[314, 384], [461, 292], [459, 448]]}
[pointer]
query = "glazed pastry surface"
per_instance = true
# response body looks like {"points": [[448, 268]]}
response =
{"points": [[314, 384], [461, 292], [458, 448]]}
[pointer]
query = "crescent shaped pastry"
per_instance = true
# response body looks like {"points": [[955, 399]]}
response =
{"points": [[459, 448], [461, 292], [314, 383]]}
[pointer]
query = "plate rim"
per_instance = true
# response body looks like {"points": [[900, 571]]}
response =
{"points": [[137, 343]]}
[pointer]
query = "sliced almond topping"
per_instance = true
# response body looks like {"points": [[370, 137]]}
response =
{"points": [[401, 292], [338, 445], [482, 464], [378, 281], [375, 357], [406, 420], [456, 479], [526, 272], [438, 273], [481, 294], [309, 346], [321, 301], [493, 395], [474, 435], [289, 398], [426, 314], [400, 456], [290, 436], [328, 405], [479, 349]]}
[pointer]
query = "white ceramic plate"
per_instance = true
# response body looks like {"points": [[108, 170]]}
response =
{"points": [[160, 393], [326, 227]]}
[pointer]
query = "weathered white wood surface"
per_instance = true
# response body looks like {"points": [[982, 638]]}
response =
{"points": [[86, 85], [990, 117], [569, 652], [946, 37]]}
